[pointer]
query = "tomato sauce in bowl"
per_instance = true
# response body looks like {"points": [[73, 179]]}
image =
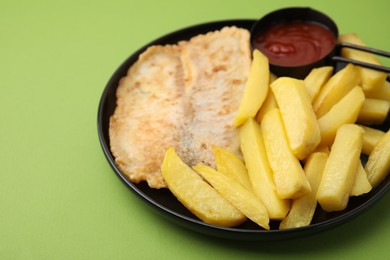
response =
{"points": [[295, 43], [295, 40]]}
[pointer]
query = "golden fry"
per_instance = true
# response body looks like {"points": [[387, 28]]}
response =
{"points": [[340, 170], [196, 194], [290, 179], [256, 89]]}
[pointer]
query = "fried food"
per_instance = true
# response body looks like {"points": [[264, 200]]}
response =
{"points": [[146, 119], [216, 67], [256, 88], [341, 168], [259, 170], [184, 95], [298, 115], [197, 195]]}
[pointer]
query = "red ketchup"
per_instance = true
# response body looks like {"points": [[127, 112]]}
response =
{"points": [[295, 43]]}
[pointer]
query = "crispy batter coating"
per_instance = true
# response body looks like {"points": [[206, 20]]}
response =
{"points": [[183, 95]]}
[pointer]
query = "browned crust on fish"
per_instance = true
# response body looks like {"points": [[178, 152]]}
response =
{"points": [[183, 95]]}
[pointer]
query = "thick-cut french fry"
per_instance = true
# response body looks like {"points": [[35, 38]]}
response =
{"points": [[302, 210], [361, 184], [335, 89], [260, 173], [346, 111], [303, 132], [290, 180], [256, 89], [322, 149], [316, 79], [373, 111], [340, 170], [382, 92], [232, 166], [237, 195], [269, 103], [196, 194], [371, 137], [371, 79], [378, 164]]}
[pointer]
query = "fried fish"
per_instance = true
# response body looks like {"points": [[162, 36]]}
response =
{"points": [[185, 96], [216, 66]]}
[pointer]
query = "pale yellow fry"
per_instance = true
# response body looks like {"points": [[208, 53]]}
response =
{"points": [[378, 164], [260, 173], [256, 89], [302, 130], [371, 79], [335, 89], [373, 111], [269, 104], [302, 210], [237, 195], [322, 149], [346, 111], [317, 79], [382, 92], [196, 194], [371, 137], [340, 169], [290, 180], [232, 166], [361, 184]]}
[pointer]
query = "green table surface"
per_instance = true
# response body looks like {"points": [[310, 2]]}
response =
{"points": [[59, 198]]}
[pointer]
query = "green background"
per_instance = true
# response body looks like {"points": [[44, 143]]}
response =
{"points": [[59, 198]]}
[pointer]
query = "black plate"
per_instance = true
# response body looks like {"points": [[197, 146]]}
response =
{"points": [[164, 203]]}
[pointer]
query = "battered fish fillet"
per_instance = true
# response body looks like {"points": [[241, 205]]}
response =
{"points": [[216, 66], [183, 95], [149, 114]]}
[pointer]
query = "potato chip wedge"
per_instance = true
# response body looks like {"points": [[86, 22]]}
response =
{"points": [[244, 200], [196, 194]]}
